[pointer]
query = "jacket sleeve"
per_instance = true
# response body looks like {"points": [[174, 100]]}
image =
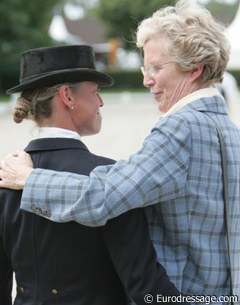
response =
{"points": [[131, 250], [157, 172], [6, 276]]}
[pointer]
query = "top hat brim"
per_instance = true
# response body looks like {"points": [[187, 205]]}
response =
{"points": [[63, 76]]}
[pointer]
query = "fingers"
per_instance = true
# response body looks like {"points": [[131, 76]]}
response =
{"points": [[17, 158], [15, 169], [4, 163], [20, 153], [2, 184], [8, 157]]}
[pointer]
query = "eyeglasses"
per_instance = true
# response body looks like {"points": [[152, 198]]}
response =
{"points": [[153, 70]]}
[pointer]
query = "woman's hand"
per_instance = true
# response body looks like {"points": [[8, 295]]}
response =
{"points": [[15, 170]]}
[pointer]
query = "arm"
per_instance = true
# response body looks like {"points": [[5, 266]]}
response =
{"points": [[128, 242], [6, 275], [158, 170]]}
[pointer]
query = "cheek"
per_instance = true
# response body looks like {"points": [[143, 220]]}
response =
{"points": [[90, 114], [167, 87], [171, 82], [165, 79]]}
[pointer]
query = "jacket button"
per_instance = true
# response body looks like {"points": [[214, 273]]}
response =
{"points": [[46, 213], [54, 291], [21, 289]]}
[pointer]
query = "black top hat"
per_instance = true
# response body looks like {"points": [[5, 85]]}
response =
{"points": [[45, 67]]}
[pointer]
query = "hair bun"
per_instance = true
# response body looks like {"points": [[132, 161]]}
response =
{"points": [[21, 109]]}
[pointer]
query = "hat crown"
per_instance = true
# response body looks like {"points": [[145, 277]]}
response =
{"points": [[47, 60], [44, 67]]}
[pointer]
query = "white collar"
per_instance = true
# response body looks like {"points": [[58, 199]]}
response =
{"points": [[55, 132], [206, 92]]}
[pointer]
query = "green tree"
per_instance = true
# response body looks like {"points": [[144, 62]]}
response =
{"points": [[24, 25], [222, 10], [122, 17]]}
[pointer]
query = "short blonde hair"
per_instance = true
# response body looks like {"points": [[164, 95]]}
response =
{"points": [[195, 37]]}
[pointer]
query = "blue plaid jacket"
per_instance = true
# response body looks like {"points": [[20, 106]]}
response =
{"points": [[177, 177]]}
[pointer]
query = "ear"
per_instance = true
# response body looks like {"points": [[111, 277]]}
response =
{"points": [[66, 96], [197, 72]]}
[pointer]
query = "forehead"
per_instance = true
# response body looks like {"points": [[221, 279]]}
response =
{"points": [[156, 49], [88, 84]]}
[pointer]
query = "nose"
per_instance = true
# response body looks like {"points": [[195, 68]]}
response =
{"points": [[101, 103], [148, 81]]}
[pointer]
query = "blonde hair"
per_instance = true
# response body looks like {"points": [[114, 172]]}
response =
{"points": [[195, 37], [37, 104]]}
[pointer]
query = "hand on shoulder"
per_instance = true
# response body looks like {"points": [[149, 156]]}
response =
{"points": [[15, 169]]}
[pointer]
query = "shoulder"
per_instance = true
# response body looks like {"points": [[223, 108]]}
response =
{"points": [[50, 154], [187, 119], [102, 160], [181, 128]]}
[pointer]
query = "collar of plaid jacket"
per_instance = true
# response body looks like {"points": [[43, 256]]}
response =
{"points": [[206, 92]]}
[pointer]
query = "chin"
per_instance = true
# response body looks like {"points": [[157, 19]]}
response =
{"points": [[91, 133], [96, 132], [161, 109]]}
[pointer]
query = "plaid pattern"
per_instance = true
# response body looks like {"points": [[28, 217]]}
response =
{"points": [[177, 176]]}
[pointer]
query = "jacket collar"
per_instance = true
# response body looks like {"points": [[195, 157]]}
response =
{"points": [[55, 144], [204, 100]]}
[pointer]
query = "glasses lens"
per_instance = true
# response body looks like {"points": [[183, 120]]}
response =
{"points": [[150, 71]]}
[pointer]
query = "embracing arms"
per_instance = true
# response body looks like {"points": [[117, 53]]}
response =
{"points": [[158, 172]]}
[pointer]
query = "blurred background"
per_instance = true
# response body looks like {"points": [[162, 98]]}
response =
{"points": [[108, 25]]}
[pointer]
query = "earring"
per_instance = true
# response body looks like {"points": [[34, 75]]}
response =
{"points": [[72, 108]]}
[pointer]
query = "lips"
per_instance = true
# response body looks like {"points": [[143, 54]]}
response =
{"points": [[156, 94]]}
